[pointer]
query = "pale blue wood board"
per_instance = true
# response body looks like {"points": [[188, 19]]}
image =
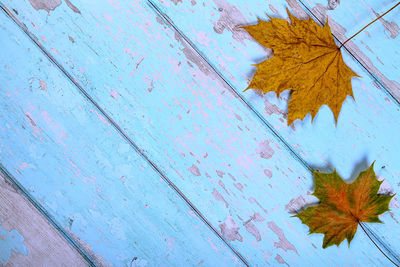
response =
{"points": [[212, 138], [380, 42], [85, 174], [366, 130]]}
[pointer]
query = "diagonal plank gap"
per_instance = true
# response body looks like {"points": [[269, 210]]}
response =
{"points": [[48, 217], [287, 146], [357, 58], [121, 132], [292, 151], [382, 244]]}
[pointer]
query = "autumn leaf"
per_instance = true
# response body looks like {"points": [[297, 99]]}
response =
{"points": [[306, 60], [342, 206]]}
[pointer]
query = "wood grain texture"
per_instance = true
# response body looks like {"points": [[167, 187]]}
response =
{"points": [[377, 46], [87, 177], [26, 237], [366, 128], [188, 121]]}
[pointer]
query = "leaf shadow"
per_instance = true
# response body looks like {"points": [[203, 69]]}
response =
{"points": [[327, 168], [360, 166], [257, 60]]}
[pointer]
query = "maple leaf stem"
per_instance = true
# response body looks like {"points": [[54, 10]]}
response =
{"points": [[369, 24], [366, 232]]}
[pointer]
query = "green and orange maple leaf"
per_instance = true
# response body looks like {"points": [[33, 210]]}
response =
{"points": [[343, 206], [306, 60]]}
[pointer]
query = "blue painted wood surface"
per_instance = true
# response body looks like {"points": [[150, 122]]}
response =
{"points": [[215, 149], [66, 154], [365, 127]]}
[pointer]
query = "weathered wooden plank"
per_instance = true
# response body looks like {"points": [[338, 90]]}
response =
{"points": [[376, 47], [26, 237], [89, 179], [364, 126], [190, 124]]}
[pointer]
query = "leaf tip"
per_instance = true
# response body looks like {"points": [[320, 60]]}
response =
{"points": [[295, 215]]}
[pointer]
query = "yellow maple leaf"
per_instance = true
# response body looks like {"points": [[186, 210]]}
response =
{"points": [[306, 60], [343, 206]]}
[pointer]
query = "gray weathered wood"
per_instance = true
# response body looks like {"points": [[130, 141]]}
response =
{"points": [[33, 241]]}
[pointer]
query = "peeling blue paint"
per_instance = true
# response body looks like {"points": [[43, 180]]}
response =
{"points": [[10, 242]]}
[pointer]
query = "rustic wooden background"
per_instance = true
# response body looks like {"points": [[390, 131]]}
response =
{"points": [[126, 138]]}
